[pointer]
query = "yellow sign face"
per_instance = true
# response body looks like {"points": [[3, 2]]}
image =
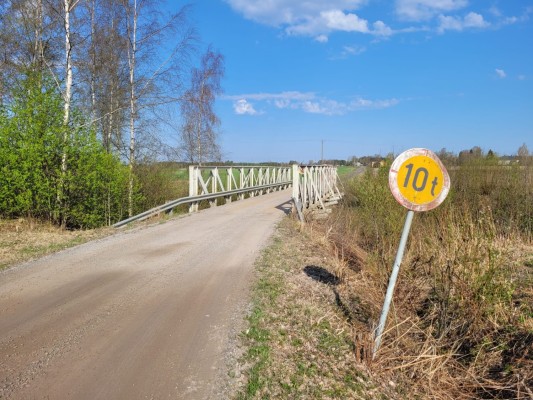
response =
{"points": [[418, 180]]}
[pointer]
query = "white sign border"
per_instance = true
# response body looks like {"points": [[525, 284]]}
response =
{"points": [[393, 180]]}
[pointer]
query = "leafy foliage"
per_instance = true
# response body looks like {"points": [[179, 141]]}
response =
{"points": [[31, 145]]}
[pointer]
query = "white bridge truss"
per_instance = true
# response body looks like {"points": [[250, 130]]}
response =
{"points": [[228, 182], [314, 188]]}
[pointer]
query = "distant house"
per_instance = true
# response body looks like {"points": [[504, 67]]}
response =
{"points": [[508, 160]]}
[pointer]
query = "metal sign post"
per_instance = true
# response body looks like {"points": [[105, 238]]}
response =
{"points": [[419, 182], [392, 280]]}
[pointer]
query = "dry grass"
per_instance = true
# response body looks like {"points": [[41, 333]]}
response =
{"points": [[461, 323], [300, 341], [25, 239]]}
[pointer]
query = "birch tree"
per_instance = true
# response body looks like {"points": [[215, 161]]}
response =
{"points": [[29, 40], [199, 134], [103, 70], [154, 75], [67, 9]]}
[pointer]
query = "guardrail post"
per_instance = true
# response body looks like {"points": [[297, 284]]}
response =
{"points": [[266, 179], [241, 183], [296, 190], [193, 188], [251, 181], [214, 178], [228, 183]]}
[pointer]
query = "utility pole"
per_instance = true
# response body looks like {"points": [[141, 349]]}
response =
{"points": [[322, 153]]}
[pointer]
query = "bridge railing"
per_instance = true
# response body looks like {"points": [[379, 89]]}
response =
{"points": [[314, 187], [235, 181]]}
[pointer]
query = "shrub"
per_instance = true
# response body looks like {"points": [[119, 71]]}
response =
{"points": [[160, 182], [31, 147]]}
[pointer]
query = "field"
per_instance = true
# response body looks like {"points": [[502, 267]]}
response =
{"points": [[462, 319]]}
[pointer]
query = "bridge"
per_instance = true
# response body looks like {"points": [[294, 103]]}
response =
{"points": [[152, 312], [314, 187]]}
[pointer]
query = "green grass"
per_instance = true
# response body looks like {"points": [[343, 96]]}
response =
{"points": [[295, 341], [181, 174], [343, 170], [258, 336]]}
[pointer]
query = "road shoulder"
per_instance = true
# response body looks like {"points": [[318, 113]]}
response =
{"points": [[298, 342]]}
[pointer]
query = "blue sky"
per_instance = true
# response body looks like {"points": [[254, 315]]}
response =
{"points": [[370, 76]]}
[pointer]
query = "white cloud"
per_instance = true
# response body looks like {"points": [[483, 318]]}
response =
{"points": [[329, 21], [449, 23], [471, 20], [289, 12], [474, 20], [495, 11], [422, 10], [339, 21], [316, 18], [381, 29], [510, 20], [242, 107], [315, 108], [319, 19], [354, 50], [501, 73], [307, 102], [348, 51]]}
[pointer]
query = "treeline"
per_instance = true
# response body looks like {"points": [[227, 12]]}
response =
{"points": [[86, 87], [476, 153]]}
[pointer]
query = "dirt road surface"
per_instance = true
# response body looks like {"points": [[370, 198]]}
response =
{"points": [[150, 313]]}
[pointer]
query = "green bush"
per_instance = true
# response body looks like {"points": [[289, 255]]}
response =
{"points": [[92, 193], [160, 183]]}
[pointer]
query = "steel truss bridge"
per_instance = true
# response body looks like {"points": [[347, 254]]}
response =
{"points": [[314, 187]]}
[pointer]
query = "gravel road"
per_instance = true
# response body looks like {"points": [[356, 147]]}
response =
{"points": [[149, 313]]}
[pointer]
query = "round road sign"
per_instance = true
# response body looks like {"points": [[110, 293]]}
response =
{"points": [[418, 180]]}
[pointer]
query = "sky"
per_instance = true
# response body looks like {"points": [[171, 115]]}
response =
{"points": [[365, 77]]}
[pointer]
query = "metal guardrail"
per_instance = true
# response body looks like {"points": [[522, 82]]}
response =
{"points": [[206, 183], [252, 179]]}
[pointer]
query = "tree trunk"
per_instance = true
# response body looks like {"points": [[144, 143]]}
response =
{"points": [[93, 61], [66, 111], [38, 46], [132, 49]]}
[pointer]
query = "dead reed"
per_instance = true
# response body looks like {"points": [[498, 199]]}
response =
{"points": [[461, 324]]}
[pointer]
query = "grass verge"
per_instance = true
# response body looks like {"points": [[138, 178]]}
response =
{"points": [[299, 341], [25, 239]]}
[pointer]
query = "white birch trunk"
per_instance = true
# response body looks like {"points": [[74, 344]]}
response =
{"points": [[68, 80], [132, 49], [93, 62], [66, 112]]}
